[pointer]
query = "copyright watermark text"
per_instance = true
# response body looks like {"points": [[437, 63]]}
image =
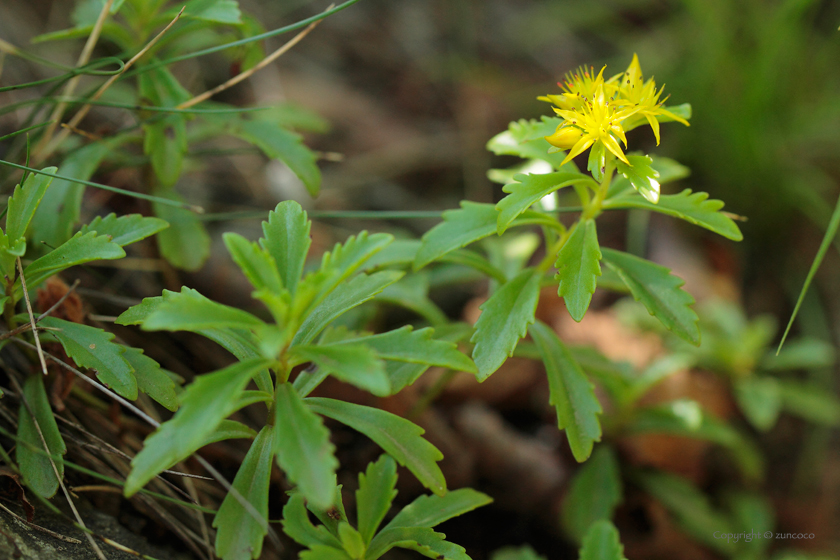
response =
{"points": [[752, 535]]}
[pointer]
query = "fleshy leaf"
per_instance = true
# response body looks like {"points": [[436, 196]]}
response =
{"points": [[216, 11], [323, 552], [473, 221], [668, 169], [397, 436], [578, 268], [691, 507], [230, 429], [285, 145], [377, 489], [528, 190], [420, 539], [594, 493], [256, 263], [504, 319], [356, 364], [79, 249], [602, 543], [185, 243], [93, 348], [430, 511], [151, 379], [572, 394], [760, 400], [58, 213], [351, 540], [297, 525], [641, 175], [204, 404], [810, 402], [240, 534], [303, 447], [286, 238], [188, 310], [416, 346], [659, 291], [126, 229], [344, 297], [526, 139], [695, 208], [35, 467], [22, 206]]}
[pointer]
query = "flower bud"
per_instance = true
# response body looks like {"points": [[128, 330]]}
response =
{"points": [[565, 137]]}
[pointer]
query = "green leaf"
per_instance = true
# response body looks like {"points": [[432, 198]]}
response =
{"points": [[286, 238], [597, 161], [400, 252], [347, 258], [760, 400], [356, 364], [668, 169], [420, 539], [804, 353], [351, 540], [377, 489], [641, 175], [659, 291], [594, 493], [22, 206], [690, 507], [165, 139], [126, 229], [151, 379], [572, 394], [323, 552], [524, 552], [191, 311], [230, 429], [397, 436], [185, 243], [79, 249], [257, 265], [473, 221], [504, 319], [430, 511], [811, 402], [240, 342], [204, 404], [217, 11], [240, 533], [403, 374], [285, 145], [526, 139], [38, 473], [58, 213], [695, 208], [303, 447], [578, 268], [92, 348], [343, 298], [602, 543], [686, 418], [412, 293], [407, 345], [297, 525], [529, 189]]}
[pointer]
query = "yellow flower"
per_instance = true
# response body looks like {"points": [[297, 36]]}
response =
{"points": [[590, 114], [595, 110], [633, 90]]}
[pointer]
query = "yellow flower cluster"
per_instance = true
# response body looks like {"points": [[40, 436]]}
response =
{"points": [[597, 110]]}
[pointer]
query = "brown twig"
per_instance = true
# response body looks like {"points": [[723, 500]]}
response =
{"points": [[248, 73], [31, 525], [84, 57], [31, 317], [78, 517], [82, 113]]}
